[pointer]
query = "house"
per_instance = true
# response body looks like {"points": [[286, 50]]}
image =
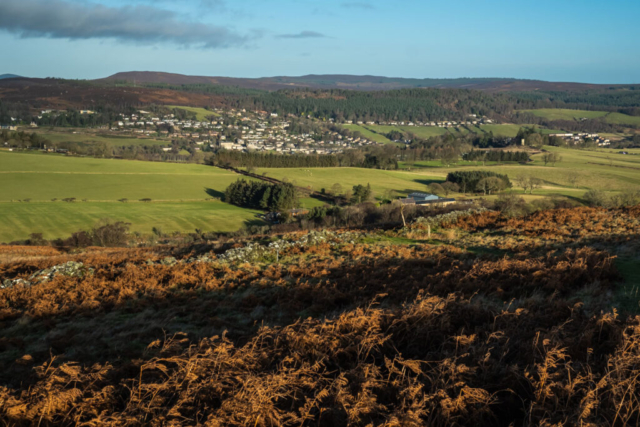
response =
{"points": [[422, 197]]}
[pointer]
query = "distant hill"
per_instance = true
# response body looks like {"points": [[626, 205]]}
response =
{"points": [[9, 76], [339, 81], [495, 94]]}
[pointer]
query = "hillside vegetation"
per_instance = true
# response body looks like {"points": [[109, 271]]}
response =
{"points": [[479, 320]]}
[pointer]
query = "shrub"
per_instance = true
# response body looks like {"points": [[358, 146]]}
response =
{"points": [[511, 205], [597, 198], [110, 234]]}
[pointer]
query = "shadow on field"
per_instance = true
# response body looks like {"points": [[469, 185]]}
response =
{"points": [[214, 193], [428, 181]]}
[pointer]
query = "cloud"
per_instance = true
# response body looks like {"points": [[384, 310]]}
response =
{"points": [[358, 5], [303, 35], [139, 23]]}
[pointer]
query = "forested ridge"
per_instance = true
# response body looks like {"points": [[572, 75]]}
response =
{"points": [[417, 104]]}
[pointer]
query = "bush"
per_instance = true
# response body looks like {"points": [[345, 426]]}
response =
{"points": [[626, 198], [597, 198], [110, 234], [511, 205]]}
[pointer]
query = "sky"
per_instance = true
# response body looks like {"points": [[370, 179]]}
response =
{"points": [[561, 40]]}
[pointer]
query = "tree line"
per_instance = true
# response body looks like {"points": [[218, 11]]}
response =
{"points": [[23, 139], [499, 156], [470, 180], [375, 159]]}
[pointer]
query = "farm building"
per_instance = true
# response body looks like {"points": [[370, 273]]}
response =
{"points": [[423, 197], [426, 199]]}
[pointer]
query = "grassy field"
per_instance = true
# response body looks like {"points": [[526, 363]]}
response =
{"points": [[373, 136], [594, 169], [87, 138], [201, 113], [179, 194], [380, 180], [565, 114], [60, 219], [377, 132]]}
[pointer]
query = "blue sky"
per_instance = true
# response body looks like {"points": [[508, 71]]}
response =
{"points": [[562, 40]]}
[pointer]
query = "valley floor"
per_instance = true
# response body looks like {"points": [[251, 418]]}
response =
{"points": [[183, 197]]}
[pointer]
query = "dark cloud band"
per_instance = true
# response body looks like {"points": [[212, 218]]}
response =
{"points": [[141, 23]]}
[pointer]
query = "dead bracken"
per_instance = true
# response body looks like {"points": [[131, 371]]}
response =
{"points": [[504, 322]]}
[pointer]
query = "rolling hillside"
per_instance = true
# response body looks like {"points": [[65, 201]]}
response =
{"points": [[183, 197]]}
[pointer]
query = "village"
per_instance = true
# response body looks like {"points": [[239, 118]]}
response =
{"points": [[582, 138], [472, 120], [260, 131], [232, 129]]}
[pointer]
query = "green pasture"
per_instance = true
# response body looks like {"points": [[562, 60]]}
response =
{"points": [[380, 180], [377, 132], [89, 138], [60, 219], [578, 172], [42, 177], [180, 195], [566, 114], [373, 136], [201, 113]]}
